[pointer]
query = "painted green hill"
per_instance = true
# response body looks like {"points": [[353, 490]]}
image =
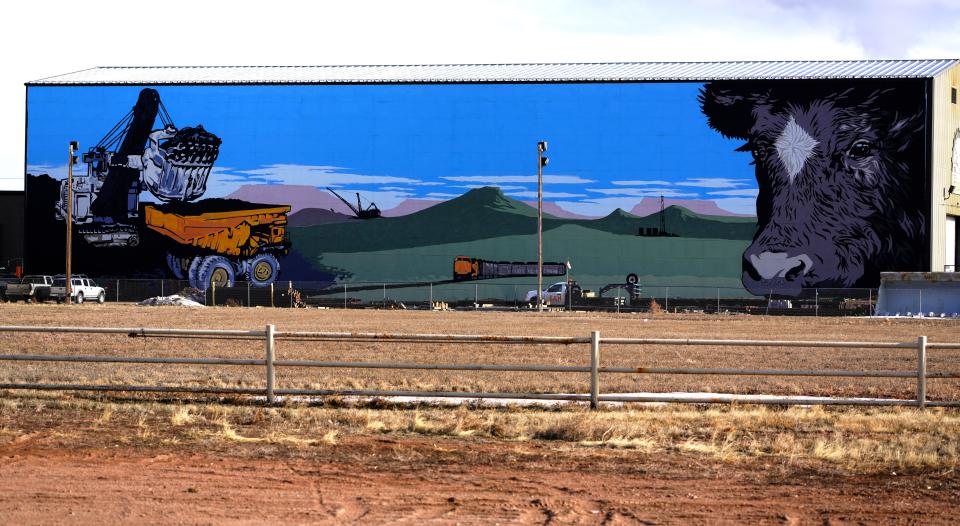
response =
{"points": [[481, 213], [486, 213], [680, 222]]}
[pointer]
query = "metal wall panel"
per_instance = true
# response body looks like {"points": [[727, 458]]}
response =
{"points": [[946, 124], [456, 73]]}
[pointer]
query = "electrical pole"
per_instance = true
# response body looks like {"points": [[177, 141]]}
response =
{"points": [[69, 249], [541, 162]]}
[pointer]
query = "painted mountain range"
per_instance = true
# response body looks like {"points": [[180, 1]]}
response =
{"points": [[301, 197], [485, 213], [650, 205]]}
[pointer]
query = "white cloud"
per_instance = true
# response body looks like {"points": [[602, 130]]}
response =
{"points": [[546, 195], [642, 192], [318, 176], [713, 182], [223, 181], [442, 195], [744, 192], [495, 180], [55, 171], [642, 183]]}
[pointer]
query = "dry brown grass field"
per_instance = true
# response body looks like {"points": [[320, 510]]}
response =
{"points": [[495, 323], [116, 458]]}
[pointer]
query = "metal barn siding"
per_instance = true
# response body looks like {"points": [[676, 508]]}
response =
{"points": [[498, 73], [935, 77], [946, 123]]}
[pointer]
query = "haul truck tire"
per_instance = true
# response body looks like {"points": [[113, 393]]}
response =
{"points": [[177, 265], [206, 270], [261, 270]]}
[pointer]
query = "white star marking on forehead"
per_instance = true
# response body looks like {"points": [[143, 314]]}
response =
{"points": [[794, 146]]}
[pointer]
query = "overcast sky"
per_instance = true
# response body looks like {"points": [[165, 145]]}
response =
{"points": [[41, 39]]}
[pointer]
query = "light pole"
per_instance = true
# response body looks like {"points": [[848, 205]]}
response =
{"points": [[74, 146], [541, 162]]}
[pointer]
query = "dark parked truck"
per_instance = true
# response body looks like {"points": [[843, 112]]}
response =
{"points": [[30, 289]]}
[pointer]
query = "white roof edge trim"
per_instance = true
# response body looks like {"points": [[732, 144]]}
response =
{"points": [[505, 73]]}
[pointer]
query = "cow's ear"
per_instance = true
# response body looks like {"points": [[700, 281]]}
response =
{"points": [[729, 110]]}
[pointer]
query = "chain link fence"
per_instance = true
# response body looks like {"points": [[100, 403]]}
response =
{"points": [[516, 296]]}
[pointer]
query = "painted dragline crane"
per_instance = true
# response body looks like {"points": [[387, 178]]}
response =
{"points": [[370, 212]]}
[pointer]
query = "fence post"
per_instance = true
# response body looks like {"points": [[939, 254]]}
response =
{"points": [[271, 378], [384, 295], [431, 295], [594, 372], [920, 305], [869, 302], [248, 295], [271, 295], [118, 291], [161, 287], [344, 295], [922, 372], [816, 302], [213, 293], [476, 296]]}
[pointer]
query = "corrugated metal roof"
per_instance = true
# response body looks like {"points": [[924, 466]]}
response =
{"points": [[456, 73]]}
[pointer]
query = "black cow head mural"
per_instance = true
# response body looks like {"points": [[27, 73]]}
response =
{"points": [[841, 177]]}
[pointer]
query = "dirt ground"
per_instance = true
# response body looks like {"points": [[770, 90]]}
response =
{"points": [[411, 480], [68, 461]]}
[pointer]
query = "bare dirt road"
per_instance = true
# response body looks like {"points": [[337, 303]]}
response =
{"points": [[121, 459], [416, 480]]}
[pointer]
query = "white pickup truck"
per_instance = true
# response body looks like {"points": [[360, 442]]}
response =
{"points": [[83, 289], [555, 294]]}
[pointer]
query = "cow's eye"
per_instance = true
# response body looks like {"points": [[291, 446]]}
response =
{"points": [[861, 149]]}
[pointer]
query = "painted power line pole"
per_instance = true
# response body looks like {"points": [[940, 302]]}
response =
{"points": [[69, 248], [541, 162]]}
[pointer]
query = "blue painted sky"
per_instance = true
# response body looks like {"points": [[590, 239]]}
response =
{"points": [[610, 144]]}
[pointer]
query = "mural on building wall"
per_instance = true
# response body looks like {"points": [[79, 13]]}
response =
{"points": [[842, 189], [365, 183]]}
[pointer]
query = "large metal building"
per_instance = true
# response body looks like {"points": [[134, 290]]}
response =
{"points": [[770, 176]]}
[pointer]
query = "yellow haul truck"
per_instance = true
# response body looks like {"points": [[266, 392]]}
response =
{"points": [[235, 239]]}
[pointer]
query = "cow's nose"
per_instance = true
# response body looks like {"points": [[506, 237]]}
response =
{"points": [[770, 265]]}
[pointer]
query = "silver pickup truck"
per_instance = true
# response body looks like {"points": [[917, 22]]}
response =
{"points": [[30, 289], [83, 289]]}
